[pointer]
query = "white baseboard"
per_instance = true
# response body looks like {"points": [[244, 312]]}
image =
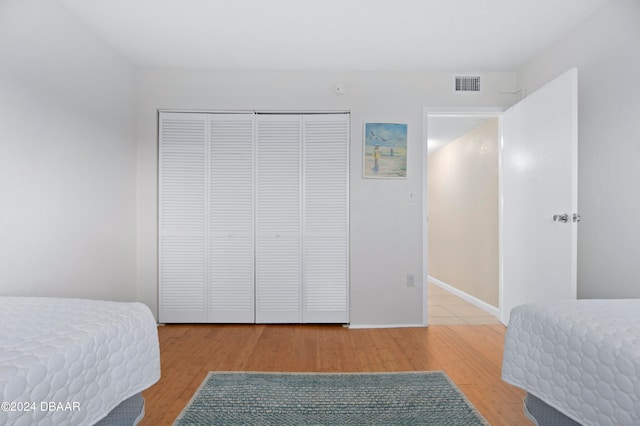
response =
{"points": [[467, 297], [355, 326]]}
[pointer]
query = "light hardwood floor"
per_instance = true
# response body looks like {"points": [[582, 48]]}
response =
{"points": [[471, 355]]}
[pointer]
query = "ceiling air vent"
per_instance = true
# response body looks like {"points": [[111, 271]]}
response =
{"points": [[467, 83]]}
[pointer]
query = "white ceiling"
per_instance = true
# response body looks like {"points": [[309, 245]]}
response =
{"points": [[460, 35]]}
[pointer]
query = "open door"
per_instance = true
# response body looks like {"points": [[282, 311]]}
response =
{"points": [[539, 196]]}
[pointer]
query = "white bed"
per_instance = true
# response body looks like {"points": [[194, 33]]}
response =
{"points": [[73, 361], [581, 357]]}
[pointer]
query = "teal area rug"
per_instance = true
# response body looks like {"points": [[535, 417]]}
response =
{"points": [[415, 398]]}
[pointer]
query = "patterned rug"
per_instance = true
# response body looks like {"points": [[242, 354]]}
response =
{"points": [[415, 398]]}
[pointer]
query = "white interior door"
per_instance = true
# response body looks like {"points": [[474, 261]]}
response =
{"points": [[539, 182]]}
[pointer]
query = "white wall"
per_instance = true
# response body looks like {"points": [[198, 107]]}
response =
{"points": [[605, 50], [67, 158], [386, 229]]}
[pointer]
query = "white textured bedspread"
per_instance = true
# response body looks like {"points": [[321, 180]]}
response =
{"points": [[582, 357], [71, 361]]}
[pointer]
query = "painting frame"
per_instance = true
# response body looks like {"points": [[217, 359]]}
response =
{"points": [[384, 150]]}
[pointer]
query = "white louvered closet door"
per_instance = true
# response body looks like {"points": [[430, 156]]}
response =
{"points": [[182, 218], [231, 252], [278, 219], [253, 218], [326, 218]]}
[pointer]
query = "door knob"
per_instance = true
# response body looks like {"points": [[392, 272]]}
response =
{"points": [[564, 218]]}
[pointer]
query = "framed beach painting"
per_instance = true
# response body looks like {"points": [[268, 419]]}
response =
{"points": [[385, 150]]}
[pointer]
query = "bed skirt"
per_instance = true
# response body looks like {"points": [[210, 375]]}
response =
{"points": [[128, 413], [542, 414]]}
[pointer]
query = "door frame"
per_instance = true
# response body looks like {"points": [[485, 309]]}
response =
{"points": [[491, 112]]}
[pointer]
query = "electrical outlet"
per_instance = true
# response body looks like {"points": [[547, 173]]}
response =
{"points": [[411, 280]]}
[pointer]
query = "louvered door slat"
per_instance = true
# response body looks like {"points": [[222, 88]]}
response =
{"points": [[231, 218], [278, 263], [232, 284], [182, 218], [182, 278], [278, 280], [278, 181], [326, 200], [232, 173]]}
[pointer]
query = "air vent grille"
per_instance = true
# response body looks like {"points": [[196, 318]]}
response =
{"points": [[467, 83]]}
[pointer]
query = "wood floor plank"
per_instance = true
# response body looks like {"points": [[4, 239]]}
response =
{"points": [[470, 355]]}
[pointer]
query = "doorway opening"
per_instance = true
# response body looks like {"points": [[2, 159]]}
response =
{"points": [[538, 183], [462, 215]]}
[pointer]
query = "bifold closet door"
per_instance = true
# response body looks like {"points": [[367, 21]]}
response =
{"points": [[326, 218], [231, 218], [302, 216], [206, 208], [253, 218], [278, 219], [182, 233]]}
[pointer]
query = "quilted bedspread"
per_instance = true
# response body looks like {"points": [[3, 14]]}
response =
{"points": [[581, 357], [71, 361]]}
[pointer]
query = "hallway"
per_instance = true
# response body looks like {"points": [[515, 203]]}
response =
{"points": [[445, 308]]}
